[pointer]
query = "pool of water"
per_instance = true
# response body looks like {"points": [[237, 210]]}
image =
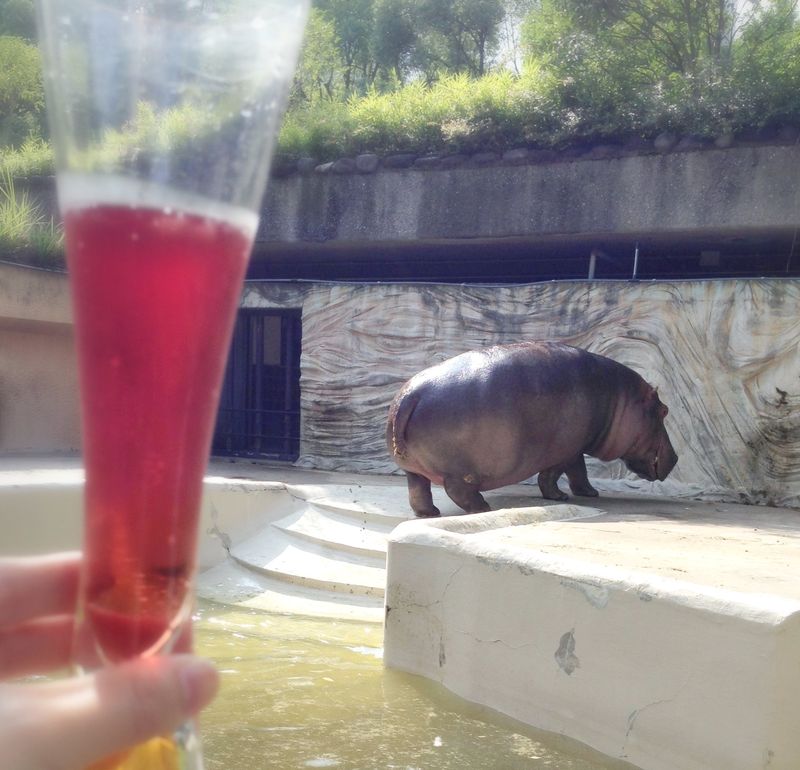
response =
{"points": [[306, 693]]}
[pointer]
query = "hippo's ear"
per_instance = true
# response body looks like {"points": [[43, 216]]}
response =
{"points": [[654, 404]]}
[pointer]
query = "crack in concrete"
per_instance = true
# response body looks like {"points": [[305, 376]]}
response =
{"points": [[479, 640], [636, 713], [214, 530]]}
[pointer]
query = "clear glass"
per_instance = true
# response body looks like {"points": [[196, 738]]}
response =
{"points": [[163, 116]]}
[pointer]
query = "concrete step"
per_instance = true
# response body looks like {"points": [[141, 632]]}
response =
{"points": [[388, 504], [231, 583], [297, 560], [352, 534]]}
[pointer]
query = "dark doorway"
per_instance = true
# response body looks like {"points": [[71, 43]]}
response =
{"points": [[259, 410]]}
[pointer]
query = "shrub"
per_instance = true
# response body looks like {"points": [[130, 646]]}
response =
{"points": [[21, 91], [33, 158], [25, 233]]}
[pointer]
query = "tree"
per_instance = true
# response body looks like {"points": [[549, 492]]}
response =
{"points": [[656, 37], [510, 33], [318, 74], [395, 37], [354, 23], [766, 65], [21, 91], [458, 35], [18, 19], [682, 36]]}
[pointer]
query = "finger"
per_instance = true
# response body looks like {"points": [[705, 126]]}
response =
{"points": [[36, 647], [72, 723], [37, 586]]}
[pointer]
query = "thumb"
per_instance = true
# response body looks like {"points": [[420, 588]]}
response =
{"points": [[75, 722]]}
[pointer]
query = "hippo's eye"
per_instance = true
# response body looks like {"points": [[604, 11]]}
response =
{"points": [[663, 411]]}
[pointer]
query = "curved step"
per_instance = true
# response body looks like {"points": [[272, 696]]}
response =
{"points": [[231, 583], [277, 554], [372, 503], [354, 534]]}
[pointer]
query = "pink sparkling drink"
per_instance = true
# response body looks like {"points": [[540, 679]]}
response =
{"points": [[155, 292]]}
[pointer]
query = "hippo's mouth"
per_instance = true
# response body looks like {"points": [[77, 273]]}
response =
{"points": [[646, 469], [654, 468]]}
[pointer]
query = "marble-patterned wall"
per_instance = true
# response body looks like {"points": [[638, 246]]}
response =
{"points": [[723, 353]]}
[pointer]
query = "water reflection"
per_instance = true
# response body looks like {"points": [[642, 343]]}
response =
{"points": [[303, 693]]}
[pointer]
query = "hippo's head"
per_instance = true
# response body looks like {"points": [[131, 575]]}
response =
{"points": [[652, 456]]}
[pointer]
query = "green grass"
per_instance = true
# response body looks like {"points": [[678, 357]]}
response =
{"points": [[26, 235], [33, 158], [462, 114], [455, 114]]}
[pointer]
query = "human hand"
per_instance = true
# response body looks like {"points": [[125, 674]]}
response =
{"points": [[68, 724]]}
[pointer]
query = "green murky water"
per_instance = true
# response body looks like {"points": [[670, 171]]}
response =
{"points": [[304, 693]]}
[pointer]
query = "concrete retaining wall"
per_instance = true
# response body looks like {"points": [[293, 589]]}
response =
{"points": [[38, 371], [735, 189], [675, 194]]}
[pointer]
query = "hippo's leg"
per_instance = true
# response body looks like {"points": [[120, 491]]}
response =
{"points": [[578, 479], [465, 494], [548, 483], [419, 495]]}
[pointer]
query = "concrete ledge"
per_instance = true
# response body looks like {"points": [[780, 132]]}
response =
{"points": [[710, 191], [668, 640], [42, 512]]}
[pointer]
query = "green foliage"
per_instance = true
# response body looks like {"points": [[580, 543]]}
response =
{"points": [[33, 158], [642, 66], [376, 76], [25, 233], [765, 72], [457, 35], [353, 22], [18, 19], [455, 114], [21, 91], [318, 75], [319, 130], [383, 44]]}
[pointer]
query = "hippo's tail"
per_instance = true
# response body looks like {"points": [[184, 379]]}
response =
{"points": [[399, 414]]}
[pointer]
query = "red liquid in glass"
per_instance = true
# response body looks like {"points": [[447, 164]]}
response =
{"points": [[155, 296]]}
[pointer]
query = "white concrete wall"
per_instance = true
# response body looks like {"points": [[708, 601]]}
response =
{"points": [[688, 663]]}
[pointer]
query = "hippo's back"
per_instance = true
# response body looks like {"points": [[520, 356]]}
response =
{"points": [[501, 411]]}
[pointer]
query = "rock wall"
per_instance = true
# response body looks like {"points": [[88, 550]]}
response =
{"points": [[724, 355]]}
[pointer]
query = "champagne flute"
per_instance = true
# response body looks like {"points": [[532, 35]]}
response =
{"points": [[163, 117]]}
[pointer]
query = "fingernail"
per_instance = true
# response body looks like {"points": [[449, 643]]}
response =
{"points": [[199, 681]]}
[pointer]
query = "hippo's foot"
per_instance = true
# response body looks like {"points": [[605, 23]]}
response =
{"points": [[548, 484], [465, 494], [579, 479], [584, 491], [576, 474], [419, 495]]}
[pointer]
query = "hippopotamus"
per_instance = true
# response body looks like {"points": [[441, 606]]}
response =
{"points": [[497, 416]]}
